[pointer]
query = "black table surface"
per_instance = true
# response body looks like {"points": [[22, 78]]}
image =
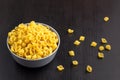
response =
{"points": [[85, 17]]}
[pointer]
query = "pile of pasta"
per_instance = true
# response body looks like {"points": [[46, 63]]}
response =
{"points": [[32, 41]]}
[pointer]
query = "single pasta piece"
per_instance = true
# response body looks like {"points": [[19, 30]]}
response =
{"points": [[82, 38], [108, 47], [75, 62], [106, 19], [76, 42], [70, 31], [100, 55], [101, 48], [103, 40], [89, 68], [93, 44], [60, 68], [71, 53]]}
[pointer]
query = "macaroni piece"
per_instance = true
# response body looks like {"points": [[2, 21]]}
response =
{"points": [[93, 44], [70, 31], [28, 57], [32, 41], [82, 38], [89, 68], [101, 48], [103, 40], [60, 68], [106, 19], [76, 42], [108, 47], [100, 55], [75, 62], [71, 53]]}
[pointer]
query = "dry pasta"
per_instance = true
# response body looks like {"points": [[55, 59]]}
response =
{"points": [[75, 62], [32, 41], [89, 68], [60, 67]]}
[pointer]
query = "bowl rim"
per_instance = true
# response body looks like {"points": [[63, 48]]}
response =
{"points": [[52, 29]]}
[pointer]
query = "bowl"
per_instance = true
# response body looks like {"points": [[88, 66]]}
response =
{"points": [[38, 62]]}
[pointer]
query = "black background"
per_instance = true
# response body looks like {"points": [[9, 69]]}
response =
{"points": [[85, 17]]}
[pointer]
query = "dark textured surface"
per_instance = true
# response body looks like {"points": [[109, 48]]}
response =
{"points": [[85, 17]]}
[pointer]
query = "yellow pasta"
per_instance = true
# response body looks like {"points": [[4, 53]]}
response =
{"points": [[28, 57], [76, 42], [71, 53], [70, 31], [75, 62], [93, 44], [101, 48], [108, 47], [60, 68], [106, 19], [103, 40], [89, 68], [32, 41], [82, 38], [100, 55]]}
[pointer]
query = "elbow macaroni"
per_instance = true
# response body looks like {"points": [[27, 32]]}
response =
{"points": [[70, 31], [60, 67], [82, 38], [89, 68], [103, 40], [101, 48], [93, 44], [71, 53], [32, 41], [75, 62], [76, 42], [100, 55]]}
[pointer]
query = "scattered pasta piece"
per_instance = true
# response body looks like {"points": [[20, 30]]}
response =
{"points": [[89, 68], [93, 44], [60, 68], [101, 48], [76, 42], [75, 62], [103, 40], [32, 41], [70, 31], [106, 19], [108, 47], [71, 53], [82, 38], [100, 55]]}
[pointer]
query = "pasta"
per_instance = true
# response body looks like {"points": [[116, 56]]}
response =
{"points": [[101, 48], [93, 44], [60, 68], [76, 42], [32, 41], [70, 31], [103, 40], [75, 62], [89, 68], [106, 19], [100, 55], [82, 38], [108, 47], [71, 53]]}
